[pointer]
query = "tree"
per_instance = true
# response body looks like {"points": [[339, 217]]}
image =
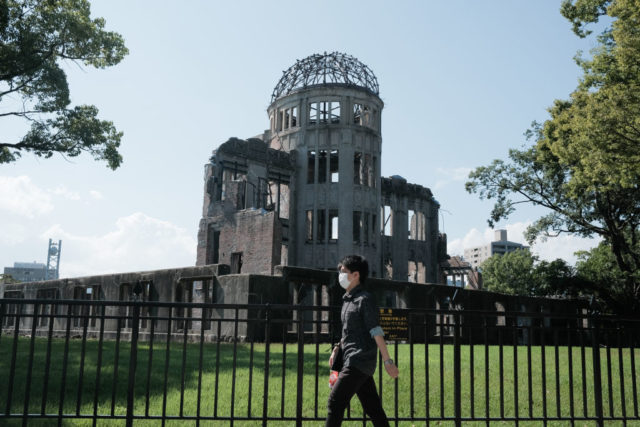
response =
{"points": [[511, 273], [522, 273], [7, 279], [584, 164], [36, 38], [599, 271], [558, 279]]}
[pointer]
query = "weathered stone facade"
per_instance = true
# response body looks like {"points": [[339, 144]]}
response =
{"points": [[279, 212], [316, 170], [213, 285], [246, 203]]}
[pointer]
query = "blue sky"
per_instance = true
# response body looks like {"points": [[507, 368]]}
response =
{"points": [[461, 82]]}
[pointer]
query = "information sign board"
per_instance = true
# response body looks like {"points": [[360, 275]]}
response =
{"points": [[394, 323]]}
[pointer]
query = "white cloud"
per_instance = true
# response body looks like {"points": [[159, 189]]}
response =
{"points": [[64, 192], [563, 246], [451, 175], [12, 233], [471, 239], [138, 242], [19, 196], [96, 195]]}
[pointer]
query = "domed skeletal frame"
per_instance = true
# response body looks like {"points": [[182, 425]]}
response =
{"points": [[330, 68]]}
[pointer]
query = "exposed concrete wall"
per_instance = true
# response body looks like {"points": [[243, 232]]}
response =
{"points": [[244, 177], [324, 144], [156, 285], [315, 192], [299, 286], [414, 240]]}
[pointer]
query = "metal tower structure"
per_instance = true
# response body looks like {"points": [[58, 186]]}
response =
{"points": [[53, 260]]}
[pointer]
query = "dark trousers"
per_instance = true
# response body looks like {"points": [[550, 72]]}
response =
{"points": [[350, 382]]}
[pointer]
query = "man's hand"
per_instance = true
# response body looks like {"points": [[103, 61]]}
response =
{"points": [[333, 355], [392, 370]]}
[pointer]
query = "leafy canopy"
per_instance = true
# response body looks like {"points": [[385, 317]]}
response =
{"points": [[584, 163], [598, 270], [522, 273], [511, 273], [36, 37]]}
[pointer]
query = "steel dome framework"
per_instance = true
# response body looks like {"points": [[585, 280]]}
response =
{"points": [[327, 69]]}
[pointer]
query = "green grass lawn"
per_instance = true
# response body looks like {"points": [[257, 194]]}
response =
{"points": [[226, 391]]}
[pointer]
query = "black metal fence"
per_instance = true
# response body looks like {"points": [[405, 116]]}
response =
{"points": [[120, 362]]}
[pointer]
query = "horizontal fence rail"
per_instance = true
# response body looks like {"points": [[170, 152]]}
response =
{"points": [[261, 364]]}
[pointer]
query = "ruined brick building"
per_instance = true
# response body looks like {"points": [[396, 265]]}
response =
{"points": [[309, 190], [305, 193]]}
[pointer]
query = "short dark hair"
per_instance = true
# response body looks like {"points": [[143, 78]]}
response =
{"points": [[357, 263]]}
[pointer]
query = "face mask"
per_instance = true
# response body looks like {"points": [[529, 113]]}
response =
{"points": [[343, 280]]}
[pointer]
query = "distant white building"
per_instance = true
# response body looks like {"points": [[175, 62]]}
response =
{"points": [[500, 245]]}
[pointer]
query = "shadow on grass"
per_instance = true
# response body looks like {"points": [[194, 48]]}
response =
{"points": [[529, 384], [77, 385]]}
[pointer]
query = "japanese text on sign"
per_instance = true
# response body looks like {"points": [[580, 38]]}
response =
{"points": [[394, 324]]}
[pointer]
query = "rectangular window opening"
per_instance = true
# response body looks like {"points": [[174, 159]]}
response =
{"points": [[213, 244], [279, 121], [334, 165], [294, 117], [412, 222], [387, 219], [311, 167], [422, 273], [313, 113], [335, 112], [241, 202], [321, 225], [420, 227], [367, 117], [236, 262], [323, 117], [309, 225], [367, 171], [412, 269], [278, 198], [216, 247], [357, 114], [388, 269], [357, 168], [362, 115], [357, 227], [333, 224], [322, 166], [286, 117]]}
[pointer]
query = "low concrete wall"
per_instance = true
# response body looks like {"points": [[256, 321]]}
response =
{"points": [[289, 285]]}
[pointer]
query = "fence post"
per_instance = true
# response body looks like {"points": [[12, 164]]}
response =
{"points": [[300, 377], [456, 371], [267, 343], [597, 374], [133, 362], [27, 392]]}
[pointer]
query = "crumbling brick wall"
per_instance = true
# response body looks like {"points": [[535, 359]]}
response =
{"points": [[255, 233]]}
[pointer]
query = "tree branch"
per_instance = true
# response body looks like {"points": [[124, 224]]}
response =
{"points": [[21, 114]]}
